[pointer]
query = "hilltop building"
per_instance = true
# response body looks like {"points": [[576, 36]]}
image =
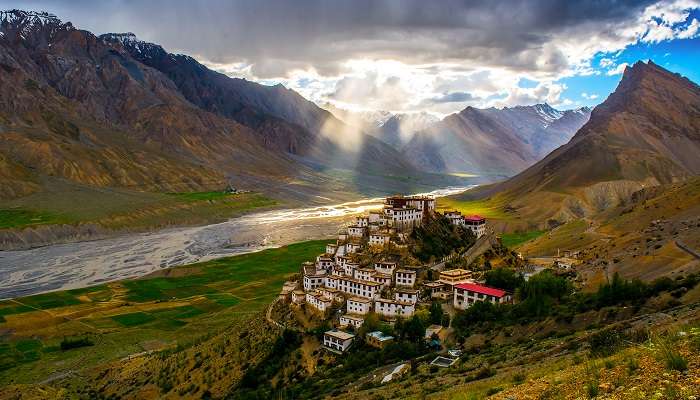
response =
{"points": [[341, 277], [337, 340], [466, 294], [475, 223]]}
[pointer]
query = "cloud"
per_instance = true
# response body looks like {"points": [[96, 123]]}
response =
{"points": [[619, 69], [405, 55], [589, 96], [453, 97]]}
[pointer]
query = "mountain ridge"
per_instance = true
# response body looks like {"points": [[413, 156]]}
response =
{"points": [[646, 133]]}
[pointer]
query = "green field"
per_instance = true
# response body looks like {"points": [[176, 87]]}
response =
{"points": [[513, 239], [18, 217], [118, 208], [132, 316]]}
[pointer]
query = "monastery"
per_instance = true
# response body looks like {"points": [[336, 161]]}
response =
{"points": [[336, 280]]}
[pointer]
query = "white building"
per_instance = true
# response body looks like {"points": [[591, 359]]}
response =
{"points": [[350, 267], [318, 301], [466, 294], [352, 247], [331, 248], [439, 290], [356, 231], [385, 267], [403, 218], [405, 277], [324, 262], [351, 320], [298, 297], [455, 217], [313, 281], [406, 295], [356, 287], [364, 274], [362, 221], [393, 308], [358, 305], [477, 224], [383, 279], [379, 239], [337, 340]]}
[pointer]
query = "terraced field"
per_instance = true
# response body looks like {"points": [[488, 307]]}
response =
{"points": [[173, 307]]}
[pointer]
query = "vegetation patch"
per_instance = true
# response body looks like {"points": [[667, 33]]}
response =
{"points": [[133, 319], [514, 239], [51, 300], [18, 218]]}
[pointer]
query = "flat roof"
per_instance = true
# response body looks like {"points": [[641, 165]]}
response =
{"points": [[380, 336], [360, 300], [433, 284], [390, 301], [473, 287], [401, 290], [340, 334], [360, 281], [457, 271], [352, 316], [406, 270], [474, 218]]}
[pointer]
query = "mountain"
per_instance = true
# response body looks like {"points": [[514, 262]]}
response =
{"points": [[285, 120], [113, 111], [493, 141], [395, 129], [646, 133], [399, 129]]}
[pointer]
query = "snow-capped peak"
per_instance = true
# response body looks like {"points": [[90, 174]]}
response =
{"points": [[547, 113], [123, 38], [137, 47], [25, 23]]}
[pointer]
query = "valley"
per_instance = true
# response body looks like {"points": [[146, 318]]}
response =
{"points": [[92, 262], [350, 200]]}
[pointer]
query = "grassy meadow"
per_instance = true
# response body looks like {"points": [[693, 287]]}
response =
{"points": [[169, 308], [512, 240], [113, 208]]}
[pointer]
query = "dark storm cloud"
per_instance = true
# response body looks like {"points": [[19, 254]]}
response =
{"points": [[277, 36]]}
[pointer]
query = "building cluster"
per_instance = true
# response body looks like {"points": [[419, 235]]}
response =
{"points": [[336, 280], [476, 223]]}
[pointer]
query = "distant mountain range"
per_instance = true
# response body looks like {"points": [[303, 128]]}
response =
{"points": [[114, 111], [646, 133], [489, 141]]}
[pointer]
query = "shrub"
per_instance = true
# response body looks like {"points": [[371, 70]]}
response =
{"points": [[73, 343], [605, 342], [667, 349], [494, 390], [519, 378], [632, 365]]}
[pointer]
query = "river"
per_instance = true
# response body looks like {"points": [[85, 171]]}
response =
{"points": [[81, 264]]}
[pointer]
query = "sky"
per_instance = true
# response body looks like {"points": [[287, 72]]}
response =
{"points": [[412, 55]]}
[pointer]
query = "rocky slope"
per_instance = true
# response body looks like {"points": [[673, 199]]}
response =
{"points": [[283, 120], [645, 134], [114, 111], [494, 141]]}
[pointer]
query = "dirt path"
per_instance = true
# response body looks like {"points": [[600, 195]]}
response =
{"points": [[687, 249]]}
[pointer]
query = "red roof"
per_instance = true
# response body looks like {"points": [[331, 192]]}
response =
{"points": [[474, 218], [481, 289]]}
